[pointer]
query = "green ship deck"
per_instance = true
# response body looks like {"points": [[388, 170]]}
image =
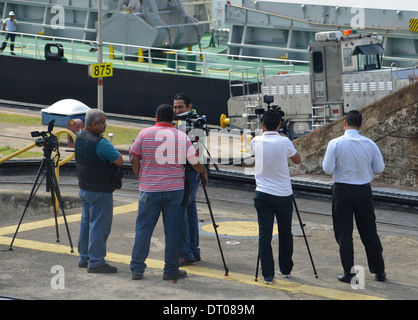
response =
{"points": [[201, 60]]}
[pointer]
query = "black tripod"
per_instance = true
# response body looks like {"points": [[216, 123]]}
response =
{"points": [[47, 169], [186, 202], [302, 225]]}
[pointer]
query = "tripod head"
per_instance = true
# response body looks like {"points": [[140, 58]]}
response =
{"points": [[49, 141]]}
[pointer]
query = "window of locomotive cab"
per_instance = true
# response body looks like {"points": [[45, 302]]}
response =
{"points": [[318, 65], [368, 62]]}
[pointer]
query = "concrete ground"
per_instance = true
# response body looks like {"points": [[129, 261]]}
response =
{"points": [[38, 265]]}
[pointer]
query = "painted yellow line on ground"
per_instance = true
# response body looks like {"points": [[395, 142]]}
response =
{"points": [[236, 228], [70, 218], [158, 264], [280, 285]]}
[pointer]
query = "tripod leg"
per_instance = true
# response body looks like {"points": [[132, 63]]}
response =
{"points": [[256, 268], [215, 226], [31, 195], [56, 190], [304, 236], [51, 189]]}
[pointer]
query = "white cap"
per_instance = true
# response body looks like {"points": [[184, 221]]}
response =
{"points": [[11, 13]]}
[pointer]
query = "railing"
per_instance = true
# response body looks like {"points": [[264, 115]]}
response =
{"points": [[57, 165], [208, 64]]}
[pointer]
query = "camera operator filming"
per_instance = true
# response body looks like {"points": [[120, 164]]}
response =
{"points": [[191, 123], [274, 195]]}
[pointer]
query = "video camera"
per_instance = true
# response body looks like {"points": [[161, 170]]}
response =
{"points": [[193, 121], [284, 128], [49, 141]]}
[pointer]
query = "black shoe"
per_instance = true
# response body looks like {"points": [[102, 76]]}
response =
{"points": [[103, 269], [82, 264], [137, 276], [13, 54], [346, 277], [180, 274], [380, 276]]}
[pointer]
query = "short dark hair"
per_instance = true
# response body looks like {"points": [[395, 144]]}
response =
{"points": [[182, 96], [271, 119], [354, 119], [165, 112]]}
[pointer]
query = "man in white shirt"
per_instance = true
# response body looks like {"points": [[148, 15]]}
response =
{"points": [[273, 196], [352, 159], [10, 25]]}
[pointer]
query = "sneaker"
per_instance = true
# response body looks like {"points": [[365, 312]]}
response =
{"points": [[13, 54], [284, 275], [82, 264], [269, 279], [180, 274], [137, 276], [103, 269]]}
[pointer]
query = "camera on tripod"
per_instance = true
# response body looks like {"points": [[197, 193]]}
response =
{"points": [[192, 121], [48, 140], [284, 128]]}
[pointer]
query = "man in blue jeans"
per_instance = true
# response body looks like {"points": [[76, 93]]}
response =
{"points": [[95, 157], [10, 25], [190, 251], [273, 196], [158, 154]]}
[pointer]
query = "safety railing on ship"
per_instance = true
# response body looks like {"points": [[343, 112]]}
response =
{"points": [[152, 59]]}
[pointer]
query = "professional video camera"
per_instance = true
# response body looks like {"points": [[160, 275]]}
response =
{"points": [[49, 141], [193, 121], [285, 122]]}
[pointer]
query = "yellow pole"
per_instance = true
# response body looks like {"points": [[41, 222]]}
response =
{"points": [[140, 55], [16, 153], [111, 52]]}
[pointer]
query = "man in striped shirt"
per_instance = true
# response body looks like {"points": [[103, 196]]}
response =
{"points": [[157, 158]]}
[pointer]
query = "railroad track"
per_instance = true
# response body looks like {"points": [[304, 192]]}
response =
{"points": [[236, 179]]}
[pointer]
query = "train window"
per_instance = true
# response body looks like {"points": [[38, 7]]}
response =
{"points": [[368, 62], [318, 65]]}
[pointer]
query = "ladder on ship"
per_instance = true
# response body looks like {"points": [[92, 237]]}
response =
{"points": [[251, 101]]}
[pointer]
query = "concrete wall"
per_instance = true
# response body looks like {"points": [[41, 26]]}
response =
{"points": [[12, 204], [391, 122]]}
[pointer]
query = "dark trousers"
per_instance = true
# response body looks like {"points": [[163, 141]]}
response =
{"points": [[349, 200], [12, 41], [268, 207]]}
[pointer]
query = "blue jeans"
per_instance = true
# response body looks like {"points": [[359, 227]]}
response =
{"points": [[190, 240], [149, 207], [95, 226], [270, 206], [12, 41]]}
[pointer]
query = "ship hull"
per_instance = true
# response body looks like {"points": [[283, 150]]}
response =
{"points": [[128, 92]]}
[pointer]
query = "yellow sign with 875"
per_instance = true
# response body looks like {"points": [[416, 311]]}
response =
{"points": [[101, 70]]}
